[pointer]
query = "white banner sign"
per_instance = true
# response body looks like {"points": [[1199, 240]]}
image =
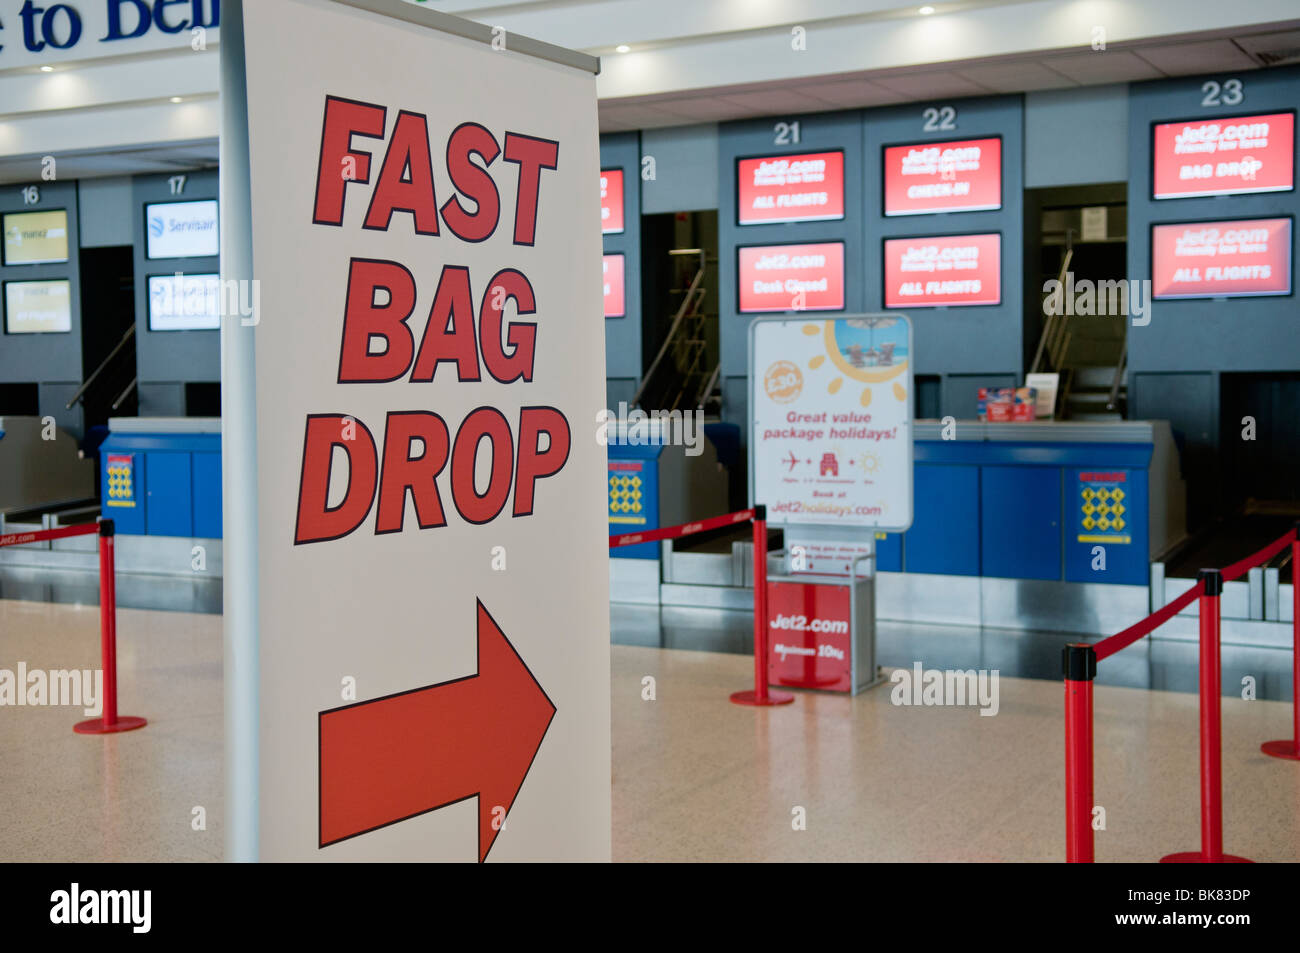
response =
{"points": [[831, 433], [434, 614], [828, 557]]}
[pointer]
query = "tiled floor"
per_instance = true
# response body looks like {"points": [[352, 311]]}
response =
{"points": [[695, 778], [1150, 663], [698, 779], [70, 797]]}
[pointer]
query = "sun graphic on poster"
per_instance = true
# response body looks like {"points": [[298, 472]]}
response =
{"points": [[872, 350], [869, 463]]}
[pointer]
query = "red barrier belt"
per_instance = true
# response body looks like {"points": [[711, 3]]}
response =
{"points": [[1122, 640], [685, 529], [44, 535], [1239, 569]]}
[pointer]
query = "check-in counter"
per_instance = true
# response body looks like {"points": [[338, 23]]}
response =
{"points": [[161, 476], [40, 464], [657, 479], [1085, 502]]}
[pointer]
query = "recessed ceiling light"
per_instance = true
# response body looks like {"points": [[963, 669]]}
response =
{"points": [[47, 69], [623, 48], [926, 11], [176, 99]]}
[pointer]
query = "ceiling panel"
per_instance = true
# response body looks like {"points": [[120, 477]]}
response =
{"points": [[1027, 73], [1104, 66], [778, 100], [709, 109], [1183, 59], [121, 162], [641, 115], [1015, 77], [930, 85], [1264, 42], [848, 94], [610, 124]]}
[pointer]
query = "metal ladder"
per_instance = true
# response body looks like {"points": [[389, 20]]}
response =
{"points": [[680, 378], [1085, 391]]}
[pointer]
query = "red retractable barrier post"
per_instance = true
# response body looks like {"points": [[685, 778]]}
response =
{"points": [[1211, 851], [110, 722], [1289, 748], [1081, 668], [761, 695], [1080, 663]]}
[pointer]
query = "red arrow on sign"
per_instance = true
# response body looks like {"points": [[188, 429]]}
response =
{"points": [[393, 758]]}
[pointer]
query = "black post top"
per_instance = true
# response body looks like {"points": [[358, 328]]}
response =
{"points": [[106, 528], [1212, 579], [1079, 662]]}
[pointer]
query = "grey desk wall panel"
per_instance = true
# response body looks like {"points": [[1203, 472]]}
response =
{"points": [[107, 212], [623, 335], [818, 133], [1076, 136], [984, 340], [170, 357], [162, 400], [1177, 360], [38, 358], [1233, 334], [686, 169], [51, 361]]}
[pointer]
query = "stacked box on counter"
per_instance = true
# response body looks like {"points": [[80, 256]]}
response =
{"points": [[1002, 404]]}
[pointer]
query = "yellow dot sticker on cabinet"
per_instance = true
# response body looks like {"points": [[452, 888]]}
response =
{"points": [[1099, 509]]}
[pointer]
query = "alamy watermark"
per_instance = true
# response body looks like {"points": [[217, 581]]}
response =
{"points": [[204, 299], [76, 905], [1086, 297], [637, 428], [82, 688], [921, 686]]}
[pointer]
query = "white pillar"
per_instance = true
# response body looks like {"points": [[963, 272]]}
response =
{"points": [[238, 457]]}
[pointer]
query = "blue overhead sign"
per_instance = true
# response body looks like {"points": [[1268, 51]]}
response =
{"points": [[42, 28]]}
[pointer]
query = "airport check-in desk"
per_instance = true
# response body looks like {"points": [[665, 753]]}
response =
{"points": [[655, 480], [161, 476], [1048, 524], [1018, 525], [40, 464], [160, 480], [1035, 500]]}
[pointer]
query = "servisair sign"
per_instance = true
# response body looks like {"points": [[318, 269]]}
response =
{"points": [[38, 33]]}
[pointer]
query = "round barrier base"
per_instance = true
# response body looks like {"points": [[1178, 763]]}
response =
{"points": [[751, 698], [1281, 749], [95, 726], [1196, 857]]}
